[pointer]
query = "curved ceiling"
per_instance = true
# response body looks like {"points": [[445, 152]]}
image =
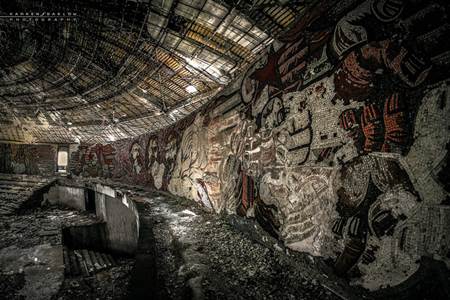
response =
{"points": [[99, 70]]}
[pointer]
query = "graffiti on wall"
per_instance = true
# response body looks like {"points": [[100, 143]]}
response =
{"points": [[155, 167]]}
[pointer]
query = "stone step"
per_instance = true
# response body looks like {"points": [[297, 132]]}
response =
{"points": [[86, 262], [10, 204], [18, 198], [6, 212], [17, 183], [84, 270], [100, 260], [9, 191], [49, 232], [15, 187], [22, 178], [110, 260]]}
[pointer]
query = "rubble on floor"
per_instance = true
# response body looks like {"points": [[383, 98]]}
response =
{"points": [[184, 252], [11, 284], [204, 256], [40, 225], [42, 266], [32, 264]]}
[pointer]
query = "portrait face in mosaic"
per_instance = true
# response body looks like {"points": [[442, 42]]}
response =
{"points": [[152, 151], [171, 154], [135, 157]]}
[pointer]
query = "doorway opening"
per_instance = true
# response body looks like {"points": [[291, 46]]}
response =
{"points": [[63, 159], [89, 196]]}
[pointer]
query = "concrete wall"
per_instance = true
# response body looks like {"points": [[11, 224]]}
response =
{"points": [[121, 228], [121, 225], [336, 141], [121, 217], [67, 196]]}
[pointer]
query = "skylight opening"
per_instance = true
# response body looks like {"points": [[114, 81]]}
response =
{"points": [[191, 89], [111, 138]]}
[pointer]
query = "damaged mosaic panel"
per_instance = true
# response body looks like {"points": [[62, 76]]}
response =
{"points": [[336, 141]]}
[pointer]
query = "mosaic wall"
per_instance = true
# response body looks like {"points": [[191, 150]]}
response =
{"points": [[93, 160], [336, 141], [28, 159]]}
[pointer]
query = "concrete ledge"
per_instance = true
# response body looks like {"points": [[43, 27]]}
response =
{"points": [[112, 205]]}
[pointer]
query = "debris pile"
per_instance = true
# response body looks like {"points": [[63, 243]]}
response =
{"points": [[209, 257], [40, 226]]}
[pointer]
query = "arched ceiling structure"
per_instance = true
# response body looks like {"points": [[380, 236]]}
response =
{"points": [[104, 70]]}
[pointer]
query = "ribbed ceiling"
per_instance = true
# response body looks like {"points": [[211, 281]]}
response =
{"points": [[105, 70]]}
